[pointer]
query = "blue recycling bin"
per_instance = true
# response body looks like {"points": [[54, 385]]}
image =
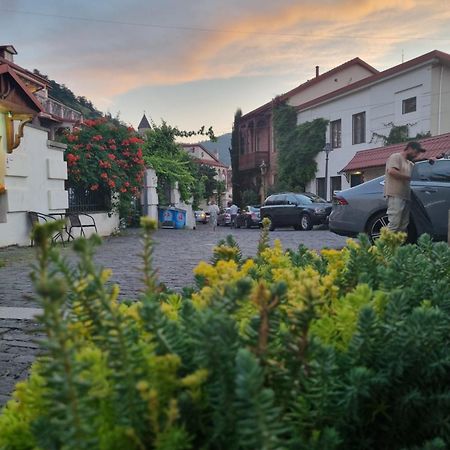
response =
{"points": [[172, 218], [179, 218], [165, 217]]}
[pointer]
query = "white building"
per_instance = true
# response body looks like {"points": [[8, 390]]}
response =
{"points": [[204, 157], [415, 93]]}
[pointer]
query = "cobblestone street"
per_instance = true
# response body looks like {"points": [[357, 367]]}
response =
{"points": [[176, 253]]}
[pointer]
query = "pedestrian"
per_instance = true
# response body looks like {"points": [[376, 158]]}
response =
{"points": [[233, 213], [397, 185], [213, 213]]}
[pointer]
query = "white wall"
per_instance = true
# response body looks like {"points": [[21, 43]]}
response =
{"points": [[107, 224], [341, 79], [382, 103], [35, 176]]}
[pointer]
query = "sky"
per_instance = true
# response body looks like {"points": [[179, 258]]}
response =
{"points": [[194, 62]]}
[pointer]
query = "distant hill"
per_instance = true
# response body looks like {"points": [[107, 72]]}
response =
{"points": [[63, 94], [222, 145]]}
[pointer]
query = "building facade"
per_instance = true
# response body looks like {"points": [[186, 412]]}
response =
{"points": [[415, 93], [257, 143]]}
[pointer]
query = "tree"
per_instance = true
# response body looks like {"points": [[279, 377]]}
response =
{"points": [[105, 156], [234, 153]]}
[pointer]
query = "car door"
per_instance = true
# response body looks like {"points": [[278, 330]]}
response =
{"points": [[291, 211], [431, 184]]}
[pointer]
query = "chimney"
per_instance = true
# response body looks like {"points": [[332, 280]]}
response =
{"points": [[317, 71], [7, 52]]}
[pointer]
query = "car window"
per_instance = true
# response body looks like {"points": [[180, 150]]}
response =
{"points": [[291, 199], [440, 171], [422, 172], [269, 200]]}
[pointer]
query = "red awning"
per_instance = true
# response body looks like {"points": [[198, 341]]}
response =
{"points": [[377, 157]]}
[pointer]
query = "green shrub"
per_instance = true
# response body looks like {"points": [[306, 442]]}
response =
{"points": [[292, 350]]}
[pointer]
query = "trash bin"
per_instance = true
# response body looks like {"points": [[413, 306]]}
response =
{"points": [[179, 218], [166, 218]]}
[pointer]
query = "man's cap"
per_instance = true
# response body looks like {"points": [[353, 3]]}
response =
{"points": [[416, 146]]}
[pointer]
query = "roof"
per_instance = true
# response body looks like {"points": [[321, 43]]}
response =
{"points": [[377, 157], [144, 123], [208, 162], [206, 151], [312, 82], [9, 48], [35, 104], [433, 55]]}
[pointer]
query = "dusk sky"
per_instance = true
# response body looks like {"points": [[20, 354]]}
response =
{"points": [[194, 63]]}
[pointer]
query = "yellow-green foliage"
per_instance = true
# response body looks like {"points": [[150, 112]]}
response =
{"points": [[292, 349]]}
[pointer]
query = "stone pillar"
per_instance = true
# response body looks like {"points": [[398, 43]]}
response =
{"points": [[149, 196]]}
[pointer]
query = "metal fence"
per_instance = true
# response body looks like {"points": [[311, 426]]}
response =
{"points": [[85, 200]]}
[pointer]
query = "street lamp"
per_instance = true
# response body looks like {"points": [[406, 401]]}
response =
{"points": [[263, 168], [327, 149]]}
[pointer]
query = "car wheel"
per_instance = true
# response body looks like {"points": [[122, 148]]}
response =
{"points": [[248, 224], [306, 222], [376, 224]]}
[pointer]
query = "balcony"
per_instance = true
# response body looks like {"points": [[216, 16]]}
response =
{"points": [[61, 111], [252, 161]]}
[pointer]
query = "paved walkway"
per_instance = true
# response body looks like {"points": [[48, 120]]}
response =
{"points": [[176, 253]]}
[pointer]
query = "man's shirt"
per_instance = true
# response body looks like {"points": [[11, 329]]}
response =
{"points": [[394, 187]]}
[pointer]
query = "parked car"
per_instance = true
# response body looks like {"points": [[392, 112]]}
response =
{"points": [[224, 218], [201, 216], [362, 209], [299, 210], [249, 217]]}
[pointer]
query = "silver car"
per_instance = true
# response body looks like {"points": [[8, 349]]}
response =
{"points": [[362, 209]]}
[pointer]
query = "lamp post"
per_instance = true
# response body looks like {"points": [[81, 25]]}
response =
{"points": [[327, 149], [263, 168]]}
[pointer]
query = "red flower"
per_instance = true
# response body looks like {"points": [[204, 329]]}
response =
{"points": [[94, 187], [97, 137], [104, 175], [111, 156], [122, 189], [113, 147], [88, 146], [111, 183]]}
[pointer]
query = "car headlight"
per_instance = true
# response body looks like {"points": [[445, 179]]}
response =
{"points": [[320, 210]]}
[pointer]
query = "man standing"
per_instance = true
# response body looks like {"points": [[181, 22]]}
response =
{"points": [[397, 185], [233, 213]]}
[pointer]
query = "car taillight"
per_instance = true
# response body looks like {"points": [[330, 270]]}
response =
{"points": [[340, 200]]}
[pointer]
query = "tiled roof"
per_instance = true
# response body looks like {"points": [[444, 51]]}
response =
{"points": [[377, 157], [208, 162], [144, 123], [392, 71], [311, 82]]}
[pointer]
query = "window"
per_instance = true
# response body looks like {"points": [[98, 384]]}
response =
{"points": [[336, 185], [356, 179], [409, 105], [359, 128], [320, 187], [439, 171], [335, 128]]}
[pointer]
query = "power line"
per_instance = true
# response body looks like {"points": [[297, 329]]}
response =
{"points": [[218, 30]]}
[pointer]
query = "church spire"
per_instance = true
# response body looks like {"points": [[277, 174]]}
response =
{"points": [[144, 124]]}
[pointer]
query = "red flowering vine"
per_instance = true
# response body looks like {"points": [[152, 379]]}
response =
{"points": [[102, 155]]}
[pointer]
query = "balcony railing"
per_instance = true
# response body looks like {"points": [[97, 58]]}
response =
{"points": [[253, 160], [60, 110]]}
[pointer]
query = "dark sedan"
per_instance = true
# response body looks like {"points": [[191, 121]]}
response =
{"points": [[299, 210], [362, 209], [249, 217]]}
